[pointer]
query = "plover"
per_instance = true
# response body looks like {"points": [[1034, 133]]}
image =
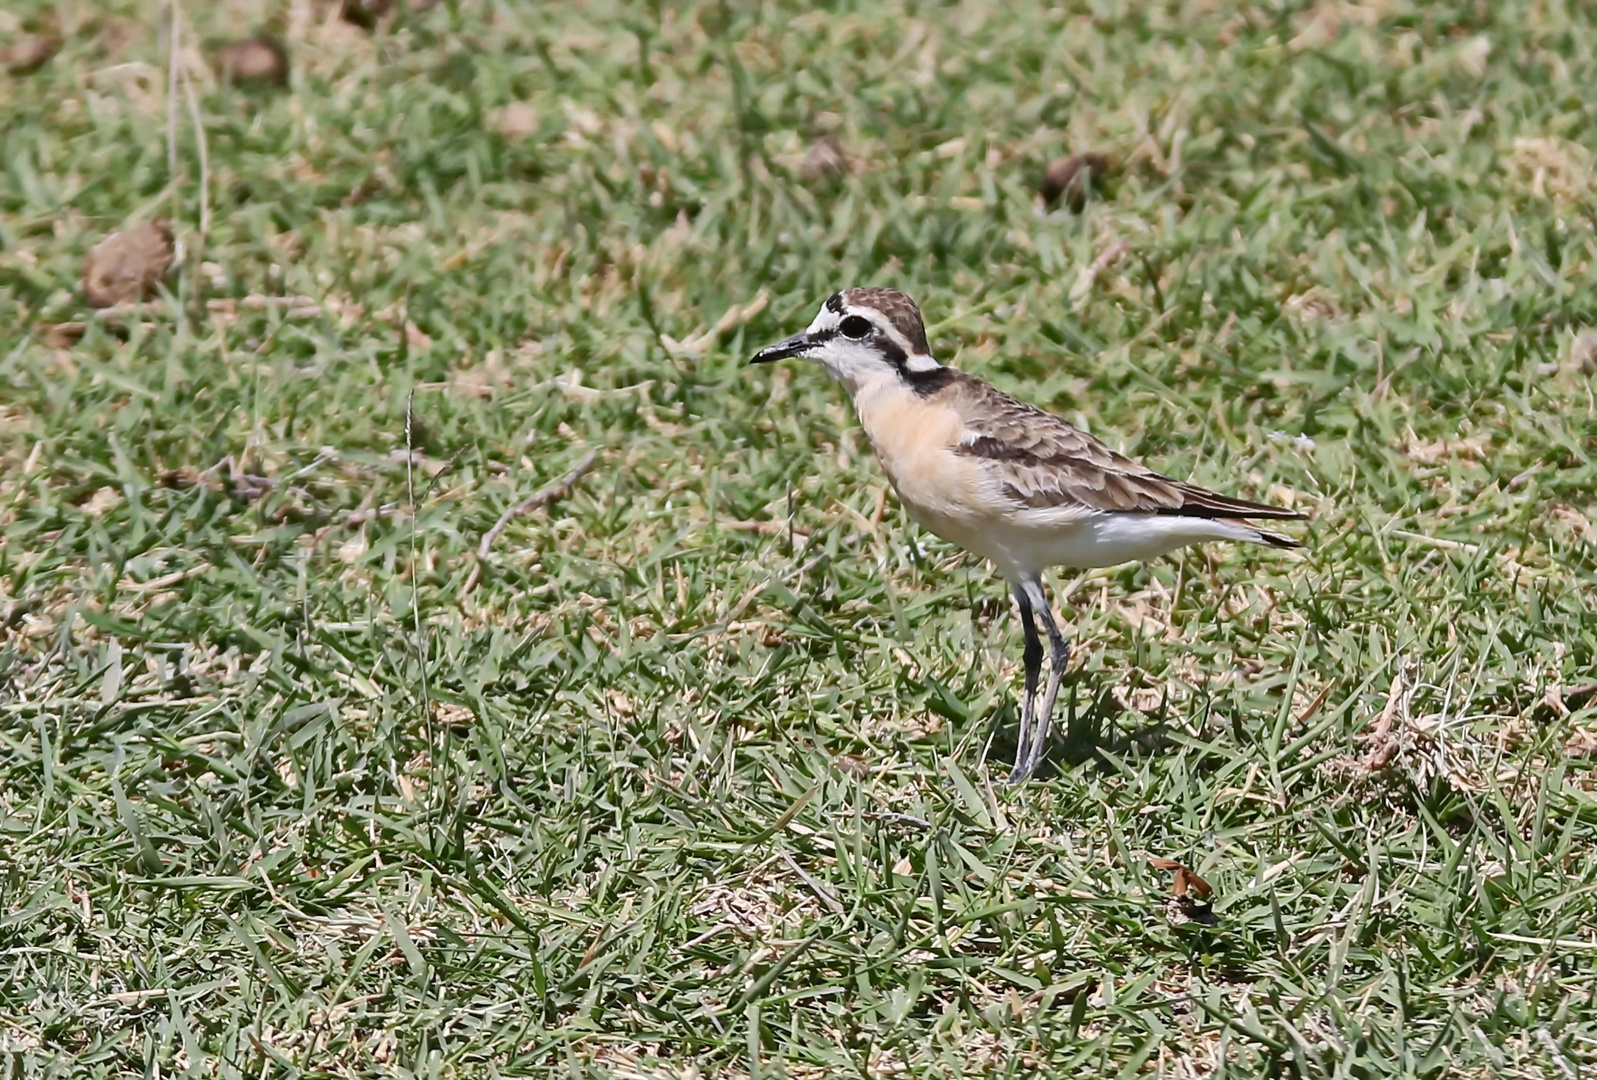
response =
{"points": [[1003, 479]]}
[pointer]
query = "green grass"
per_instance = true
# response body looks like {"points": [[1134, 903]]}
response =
{"points": [[279, 795]]}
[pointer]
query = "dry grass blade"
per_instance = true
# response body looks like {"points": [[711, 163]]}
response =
{"points": [[540, 498], [1383, 744]]}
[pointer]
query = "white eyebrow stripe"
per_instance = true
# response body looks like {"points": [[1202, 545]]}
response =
{"points": [[891, 332]]}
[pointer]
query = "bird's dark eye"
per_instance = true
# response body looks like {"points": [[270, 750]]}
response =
{"points": [[855, 327]]}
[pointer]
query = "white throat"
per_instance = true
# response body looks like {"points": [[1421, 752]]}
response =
{"points": [[860, 362]]}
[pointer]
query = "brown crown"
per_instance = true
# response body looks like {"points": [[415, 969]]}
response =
{"points": [[898, 309]]}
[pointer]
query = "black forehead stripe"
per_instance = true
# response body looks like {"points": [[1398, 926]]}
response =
{"points": [[834, 303]]}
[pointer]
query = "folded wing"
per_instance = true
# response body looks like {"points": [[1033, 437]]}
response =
{"points": [[1040, 461]]}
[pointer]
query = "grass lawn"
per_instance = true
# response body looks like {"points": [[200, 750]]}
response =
{"points": [[684, 777]]}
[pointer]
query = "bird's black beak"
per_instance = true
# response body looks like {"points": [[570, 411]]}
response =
{"points": [[793, 346]]}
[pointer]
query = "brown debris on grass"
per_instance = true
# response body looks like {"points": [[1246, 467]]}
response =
{"points": [[516, 121], [1188, 901], [1383, 746], [451, 715], [365, 14], [128, 266], [258, 61], [1552, 168], [825, 158], [1073, 177], [1186, 880], [27, 53]]}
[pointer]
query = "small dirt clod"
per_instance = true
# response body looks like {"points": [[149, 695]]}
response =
{"points": [[128, 266], [365, 14], [1072, 177], [27, 53], [260, 60]]}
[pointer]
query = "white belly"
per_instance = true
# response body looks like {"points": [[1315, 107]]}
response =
{"points": [[1027, 546]]}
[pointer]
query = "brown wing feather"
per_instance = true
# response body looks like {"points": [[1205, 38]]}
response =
{"points": [[1046, 462]]}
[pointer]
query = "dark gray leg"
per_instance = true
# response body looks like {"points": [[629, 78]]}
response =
{"points": [[1033, 656], [1058, 661]]}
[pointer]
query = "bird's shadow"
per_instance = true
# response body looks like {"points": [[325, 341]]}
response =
{"points": [[1086, 729]]}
